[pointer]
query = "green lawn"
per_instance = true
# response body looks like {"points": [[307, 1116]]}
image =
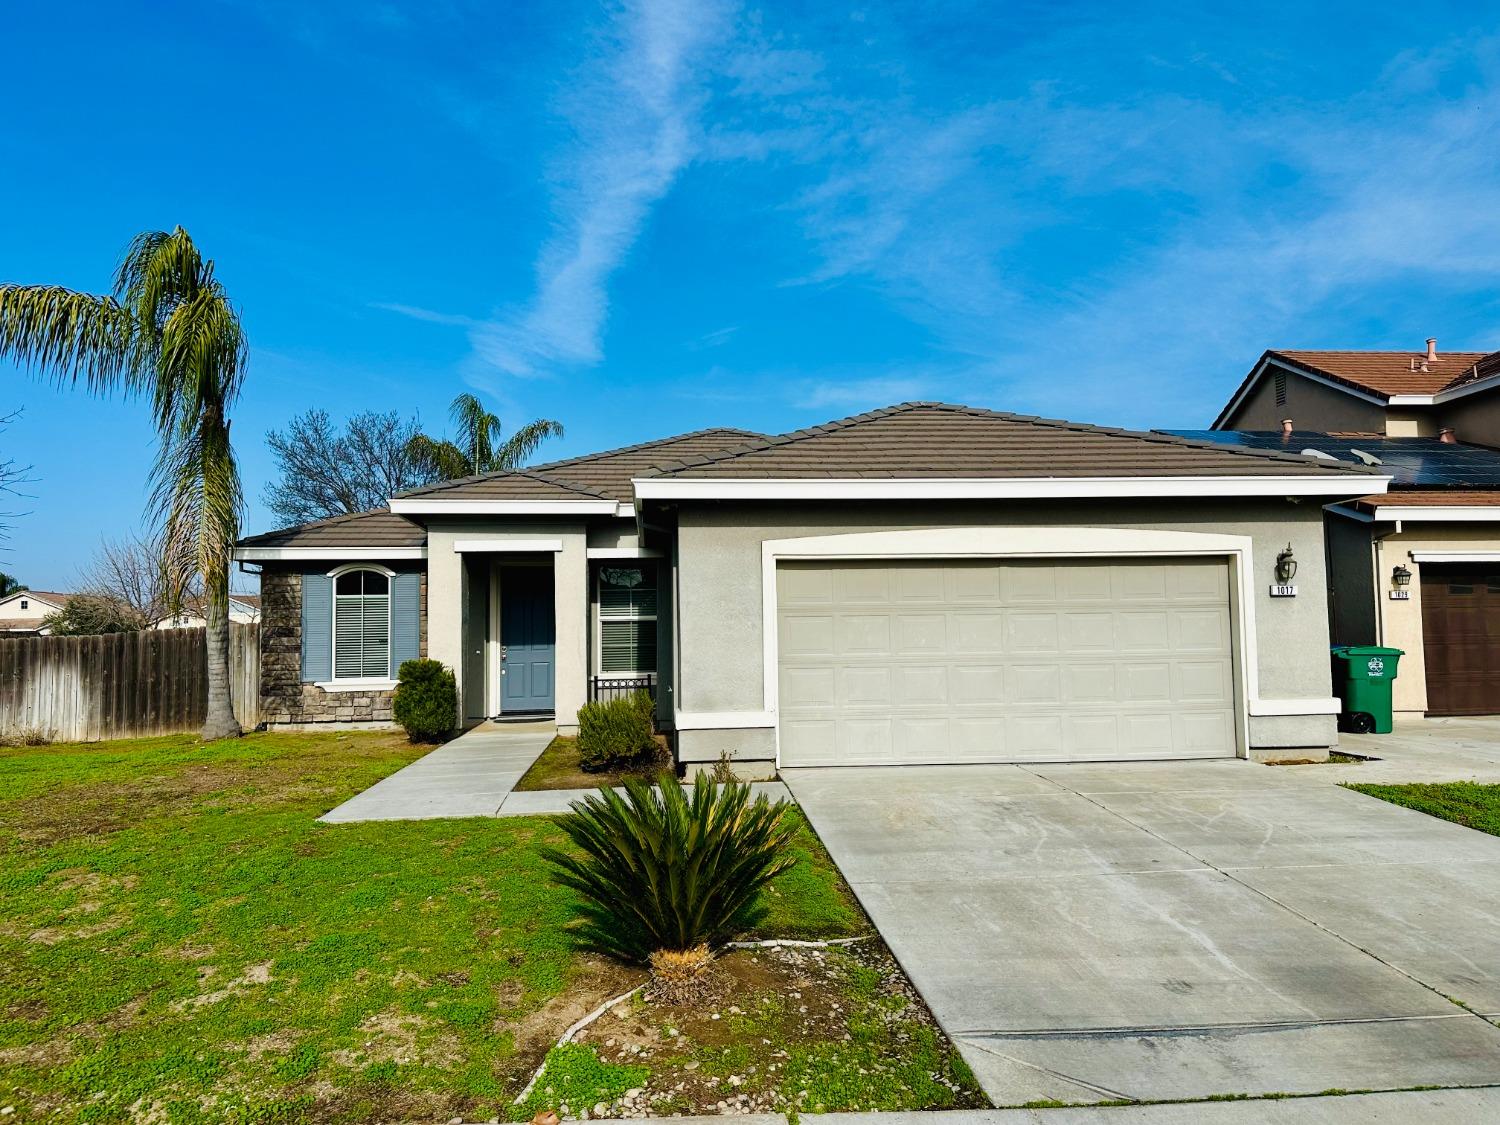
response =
{"points": [[1463, 802], [180, 942], [558, 768]]}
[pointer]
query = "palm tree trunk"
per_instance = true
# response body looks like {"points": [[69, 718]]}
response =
{"points": [[220, 721]]}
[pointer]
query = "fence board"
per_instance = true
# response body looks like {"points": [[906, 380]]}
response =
{"points": [[122, 685]]}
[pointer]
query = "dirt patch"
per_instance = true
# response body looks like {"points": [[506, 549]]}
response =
{"points": [[254, 975], [536, 1032], [402, 1038], [790, 1029], [559, 768]]}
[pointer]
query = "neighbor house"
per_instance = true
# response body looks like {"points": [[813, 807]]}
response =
{"points": [[1416, 567], [24, 611], [923, 583], [244, 609]]}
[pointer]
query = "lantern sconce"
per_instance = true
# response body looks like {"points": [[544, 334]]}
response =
{"points": [[1400, 577], [1286, 566]]}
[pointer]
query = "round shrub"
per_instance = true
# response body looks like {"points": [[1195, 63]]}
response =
{"points": [[426, 701], [616, 733]]}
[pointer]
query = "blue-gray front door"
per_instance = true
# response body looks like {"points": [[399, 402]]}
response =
{"points": [[528, 639]]}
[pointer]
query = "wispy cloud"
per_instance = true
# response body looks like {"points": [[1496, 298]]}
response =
{"points": [[860, 394], [633, 108], [428, 315]]}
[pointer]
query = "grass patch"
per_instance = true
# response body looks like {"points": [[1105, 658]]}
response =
{"points": [[558, 768], [180, 941], [1463, 802]]}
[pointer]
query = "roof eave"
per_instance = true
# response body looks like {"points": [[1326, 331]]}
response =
{"points": [[1341, 484], [429, 506]]}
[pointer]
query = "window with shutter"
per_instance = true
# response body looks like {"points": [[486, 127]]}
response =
{"points": [[627, 620], [362, 626]]}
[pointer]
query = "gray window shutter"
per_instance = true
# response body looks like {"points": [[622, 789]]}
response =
{"points": [[406, 619], [317, 628]]}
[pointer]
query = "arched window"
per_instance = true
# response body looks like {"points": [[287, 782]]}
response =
{"points": [[361, 625]]}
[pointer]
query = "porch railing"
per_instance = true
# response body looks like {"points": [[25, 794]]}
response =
{"points": [[604, 688]]}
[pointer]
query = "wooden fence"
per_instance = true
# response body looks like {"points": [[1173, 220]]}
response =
{"points": [[121, 685]]}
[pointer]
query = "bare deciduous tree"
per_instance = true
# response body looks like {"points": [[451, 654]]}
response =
{"points": [[328, 472], [136, 570]]}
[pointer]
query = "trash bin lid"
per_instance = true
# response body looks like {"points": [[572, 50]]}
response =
{"points": [[1367, 650]]}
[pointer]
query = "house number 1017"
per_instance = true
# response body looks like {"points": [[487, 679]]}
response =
{"points": [[1280, 590]]}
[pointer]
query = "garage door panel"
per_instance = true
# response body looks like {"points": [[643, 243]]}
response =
{"points": [[980, 633], [1015, 661], [926, 632], [804, 586], [804, 634]]}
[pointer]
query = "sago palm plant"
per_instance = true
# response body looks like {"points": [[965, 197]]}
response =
{"points": [[168, 334], [671, 869]]}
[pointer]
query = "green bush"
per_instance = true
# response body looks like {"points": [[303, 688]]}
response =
{"points": [[426, 702], [664, 870], [617, 733]]}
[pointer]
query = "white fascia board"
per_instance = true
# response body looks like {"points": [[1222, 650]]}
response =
{"points": [[1488, 383], [625, 553], [422, 506], [510, 546], [1017, 488], [1454, 556], [1454, 514], [331, 554], [625, 511]]}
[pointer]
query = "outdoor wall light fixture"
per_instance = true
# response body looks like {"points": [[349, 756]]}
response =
{"points": [[1400, 577], [1286, 566]]}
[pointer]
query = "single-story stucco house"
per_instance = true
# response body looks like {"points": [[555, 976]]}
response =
{"points": [[922, 583]]}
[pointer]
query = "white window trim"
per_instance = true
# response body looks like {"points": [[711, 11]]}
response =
{"points": [[1035, 542], [358, 683], [599, 619]]}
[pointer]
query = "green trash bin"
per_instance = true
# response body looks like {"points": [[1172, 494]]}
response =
{"points": [[1363, 675]]}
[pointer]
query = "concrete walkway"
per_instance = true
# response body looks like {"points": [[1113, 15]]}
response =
{"points": [[1411, 1107], [1419, 750], [1153, 931], [470, 776]]}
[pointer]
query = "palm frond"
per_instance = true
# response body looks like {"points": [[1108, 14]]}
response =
{"points": [[71, 336], [477, 429], [437, 459], [517, 449]]}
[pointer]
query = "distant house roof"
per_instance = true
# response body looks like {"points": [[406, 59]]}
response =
{"points": [[50, 597], [364, 529], [1395, 373], [594, 476], [931, 439]]}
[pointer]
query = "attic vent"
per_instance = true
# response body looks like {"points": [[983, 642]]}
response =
{"points": [[1281, 388]]}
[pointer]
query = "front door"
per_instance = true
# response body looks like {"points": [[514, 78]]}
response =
{"points": [[527, 639]]}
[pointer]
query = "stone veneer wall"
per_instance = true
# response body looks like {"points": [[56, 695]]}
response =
{"points": [[284, 698]]}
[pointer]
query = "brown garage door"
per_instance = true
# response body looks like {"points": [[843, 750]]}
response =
{"points": [[1461, 636]]}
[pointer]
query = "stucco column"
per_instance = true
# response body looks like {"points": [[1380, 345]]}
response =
{"points": [[571, 583], [445, 610]]}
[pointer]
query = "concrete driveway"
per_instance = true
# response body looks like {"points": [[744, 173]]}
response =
{"points": [[1175, 930]]}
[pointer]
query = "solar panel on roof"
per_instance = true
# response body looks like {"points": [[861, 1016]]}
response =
{"points": [[1412, 462]]}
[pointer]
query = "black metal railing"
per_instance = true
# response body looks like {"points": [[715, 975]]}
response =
{"points": [[604, 688]]}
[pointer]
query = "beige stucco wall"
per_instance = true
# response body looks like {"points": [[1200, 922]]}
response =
{"points": [[1310, 405], [720, 601], [1401, 621]]}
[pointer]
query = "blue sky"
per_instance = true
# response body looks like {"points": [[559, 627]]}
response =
{"points": [[650, 217]]}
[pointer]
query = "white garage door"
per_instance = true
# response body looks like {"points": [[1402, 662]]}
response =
{"points": [[1016, 661]]}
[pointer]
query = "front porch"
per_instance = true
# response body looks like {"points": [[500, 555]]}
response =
{"points": [[536, 627]]}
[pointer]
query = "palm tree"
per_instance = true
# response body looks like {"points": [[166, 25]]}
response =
{"points": [[478, 448], [168, 334]]}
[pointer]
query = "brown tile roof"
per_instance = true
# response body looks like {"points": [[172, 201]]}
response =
{"points": [[364, 529], [20, 624], [1390, 373], [595, 476], [930, 439], [1446, 498]]}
